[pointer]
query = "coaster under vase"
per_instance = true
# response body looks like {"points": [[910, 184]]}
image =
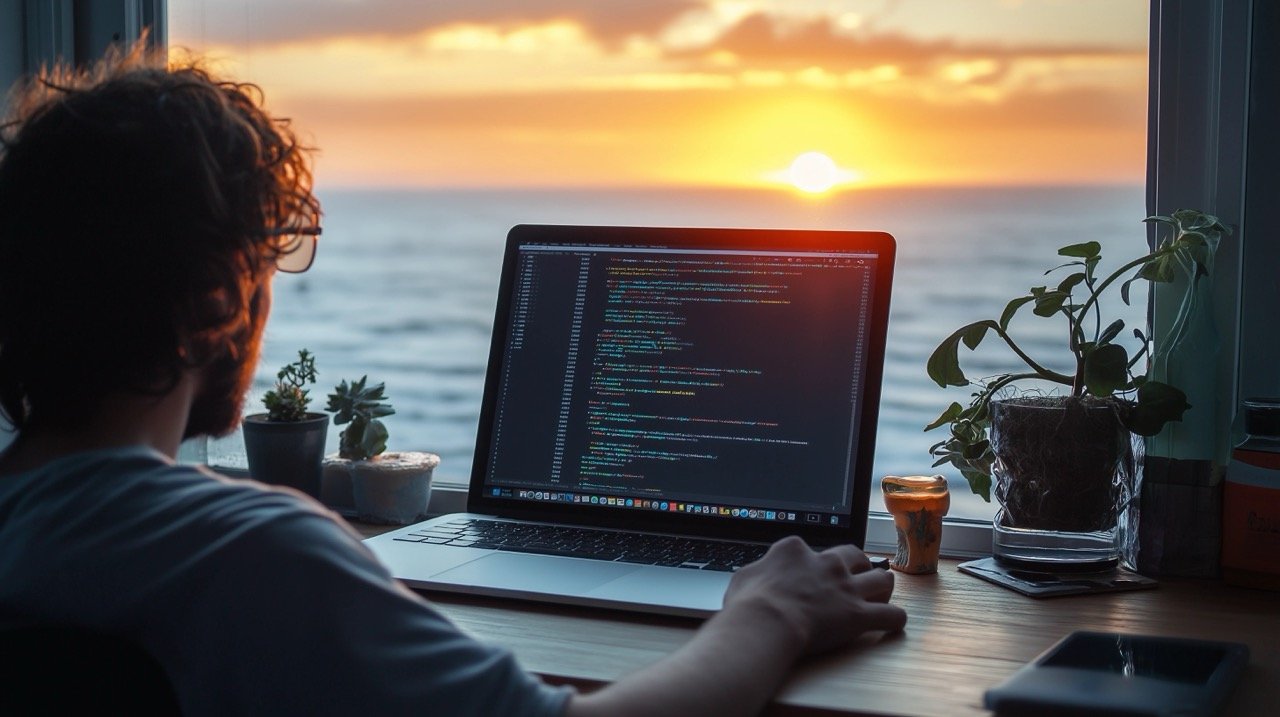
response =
{"points": [[1039, 584]]}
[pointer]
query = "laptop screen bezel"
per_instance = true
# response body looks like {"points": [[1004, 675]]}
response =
{"points": [[853, 531]]}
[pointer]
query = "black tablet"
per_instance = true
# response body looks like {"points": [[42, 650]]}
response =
{"points": [[1111, 673]]}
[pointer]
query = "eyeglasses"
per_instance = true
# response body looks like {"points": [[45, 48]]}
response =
{"points": [[297, 248]]}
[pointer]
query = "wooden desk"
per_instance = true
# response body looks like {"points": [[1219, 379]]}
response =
{"points": [[963, 636]]}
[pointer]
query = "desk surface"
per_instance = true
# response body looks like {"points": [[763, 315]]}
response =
{"points": [[963, 635]]}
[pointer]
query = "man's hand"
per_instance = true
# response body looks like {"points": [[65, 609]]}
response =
{"points": [[827, 598], [790, 603]]}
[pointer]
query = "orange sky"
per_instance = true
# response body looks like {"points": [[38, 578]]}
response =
{"points": [[703, 92]]}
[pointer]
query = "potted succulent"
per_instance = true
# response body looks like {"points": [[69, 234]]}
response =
{"points": [[285, 445], [385, 487], [1063, 464]]}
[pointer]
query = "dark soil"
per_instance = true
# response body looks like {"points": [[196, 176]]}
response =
{"points": [[1057, 462]]}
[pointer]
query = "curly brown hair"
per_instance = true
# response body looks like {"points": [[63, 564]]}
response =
{"points": [[141, 208]]}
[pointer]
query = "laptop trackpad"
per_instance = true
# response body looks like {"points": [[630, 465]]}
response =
{"points": [[699, 590], [535, 573]]}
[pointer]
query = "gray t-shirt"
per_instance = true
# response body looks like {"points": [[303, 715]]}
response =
{"points": [[254, 600]]}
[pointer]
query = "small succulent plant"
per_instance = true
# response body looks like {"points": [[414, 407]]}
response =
{"points": [[361, 406], [288, 401]]}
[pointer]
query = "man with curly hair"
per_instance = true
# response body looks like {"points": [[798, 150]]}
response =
{"points": [[144, 210]]}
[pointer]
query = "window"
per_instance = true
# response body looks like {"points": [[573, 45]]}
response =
{"points": [[454, 124], [983, 138]]}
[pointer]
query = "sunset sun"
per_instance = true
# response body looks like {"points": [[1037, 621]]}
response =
{"points": [[813, 172]]}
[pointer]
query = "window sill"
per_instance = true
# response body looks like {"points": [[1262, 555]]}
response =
{"points": [[960, 539]]}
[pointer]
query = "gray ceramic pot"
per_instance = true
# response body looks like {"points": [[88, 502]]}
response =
{"points": [[286, 453]]}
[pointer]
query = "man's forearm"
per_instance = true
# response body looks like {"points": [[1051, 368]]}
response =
{"points": [[732, 666]]}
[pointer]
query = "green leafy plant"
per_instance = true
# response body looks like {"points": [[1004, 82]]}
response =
{"points": [[288, 401], [362, 406], [1103, 369]]}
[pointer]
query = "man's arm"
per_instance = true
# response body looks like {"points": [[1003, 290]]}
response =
{"points": [[792, 602]]}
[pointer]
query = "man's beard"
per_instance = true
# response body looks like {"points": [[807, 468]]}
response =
{"points": [[226, 380], [216, 409]]}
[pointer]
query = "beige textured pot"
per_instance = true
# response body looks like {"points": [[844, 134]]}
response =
{"points": [[335, 483], [393, 488]]}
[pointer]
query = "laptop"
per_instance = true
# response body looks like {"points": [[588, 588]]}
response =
{"points": [[660, 405]]}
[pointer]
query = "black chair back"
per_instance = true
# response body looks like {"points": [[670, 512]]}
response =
{"points": [[65, 670]]}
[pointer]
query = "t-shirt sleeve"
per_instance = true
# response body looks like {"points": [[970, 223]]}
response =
{"points": [[300, 616]]}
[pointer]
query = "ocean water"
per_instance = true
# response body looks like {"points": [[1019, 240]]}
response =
{"points": [[404, 286]]}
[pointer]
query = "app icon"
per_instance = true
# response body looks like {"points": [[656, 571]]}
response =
{"points": [[770, 515], [631, 503], [791, 516], [734, 512], [595, 499], [664, 505], [497, 491]]}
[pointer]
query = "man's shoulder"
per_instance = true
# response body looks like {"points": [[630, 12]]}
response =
{"points": [[136, 486]]}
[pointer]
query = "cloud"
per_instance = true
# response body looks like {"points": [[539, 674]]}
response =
{"points": [[302, 20], [604, 138], [764, 41]]}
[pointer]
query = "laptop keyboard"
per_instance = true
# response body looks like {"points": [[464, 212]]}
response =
{"points": [[593, 543]]}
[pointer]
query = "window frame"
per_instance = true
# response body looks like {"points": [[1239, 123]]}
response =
{"points": [[1199, 141], [1212, 81]]}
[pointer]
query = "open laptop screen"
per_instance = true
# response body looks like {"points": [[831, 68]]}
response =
{"points": [[714, 375]]}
